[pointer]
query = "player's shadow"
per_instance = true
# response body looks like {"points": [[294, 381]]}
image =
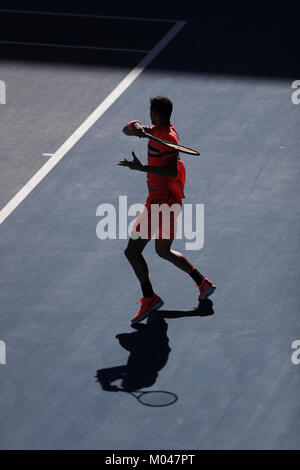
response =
{"points": [[204, 309], [149, 350]]}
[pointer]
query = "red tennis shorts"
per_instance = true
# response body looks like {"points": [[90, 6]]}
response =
{"points": [[159, 216]]}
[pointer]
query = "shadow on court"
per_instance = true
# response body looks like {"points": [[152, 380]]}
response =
{"points": [[149, 351], [204, 309], [241, 40]]}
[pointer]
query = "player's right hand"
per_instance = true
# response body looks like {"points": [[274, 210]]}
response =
{"points": [[139, 131]]}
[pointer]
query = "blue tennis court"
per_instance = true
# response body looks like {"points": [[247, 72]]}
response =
{"points": [[229, 365]]}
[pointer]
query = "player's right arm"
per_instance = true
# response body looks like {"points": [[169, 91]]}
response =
{"points": [[134, 128]]}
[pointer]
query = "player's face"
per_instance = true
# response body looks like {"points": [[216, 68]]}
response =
{"points": [[154, 116]]}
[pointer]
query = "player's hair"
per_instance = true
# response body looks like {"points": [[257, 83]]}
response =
{"points": [[163, 106]]}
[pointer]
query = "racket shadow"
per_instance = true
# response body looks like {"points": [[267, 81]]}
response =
{"points": [[148, 348], [154, 398]]}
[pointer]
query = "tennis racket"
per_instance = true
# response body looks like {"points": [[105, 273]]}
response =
{"points": [[179, 148]]}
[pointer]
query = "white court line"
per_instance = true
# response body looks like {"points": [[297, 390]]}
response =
{"points": [[89, 122], [70, 46], [82, 15]]}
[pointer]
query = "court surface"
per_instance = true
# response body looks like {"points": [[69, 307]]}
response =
{"points": [[67, 297]]}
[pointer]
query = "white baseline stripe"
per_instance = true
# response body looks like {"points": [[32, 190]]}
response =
{"points": [[88, 123], [70, 46]]}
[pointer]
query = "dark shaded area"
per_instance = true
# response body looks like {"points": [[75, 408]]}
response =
{"points": [[48, 35], [69, 56], [149, 351], [204, 309], [81, 31], [248, 39]]}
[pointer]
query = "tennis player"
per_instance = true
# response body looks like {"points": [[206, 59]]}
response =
{"points": [[165, 180]]}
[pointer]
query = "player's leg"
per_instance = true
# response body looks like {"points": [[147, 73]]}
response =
{"points": [[166, 235], [163, 249], [133, 253], [150, 300]]}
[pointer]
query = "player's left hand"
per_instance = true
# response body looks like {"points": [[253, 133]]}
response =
{"points": [[135, 164]]}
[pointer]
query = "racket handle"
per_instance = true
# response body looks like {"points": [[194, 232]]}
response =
{"points": [[149, 136]]}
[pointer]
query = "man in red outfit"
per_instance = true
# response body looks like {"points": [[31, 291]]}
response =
{"points": [[165, 180]]}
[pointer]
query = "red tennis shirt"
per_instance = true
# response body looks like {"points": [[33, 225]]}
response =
{"points": [[157, 155]]}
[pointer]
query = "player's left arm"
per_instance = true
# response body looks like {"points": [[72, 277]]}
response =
{"points": [[169, 169]]}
